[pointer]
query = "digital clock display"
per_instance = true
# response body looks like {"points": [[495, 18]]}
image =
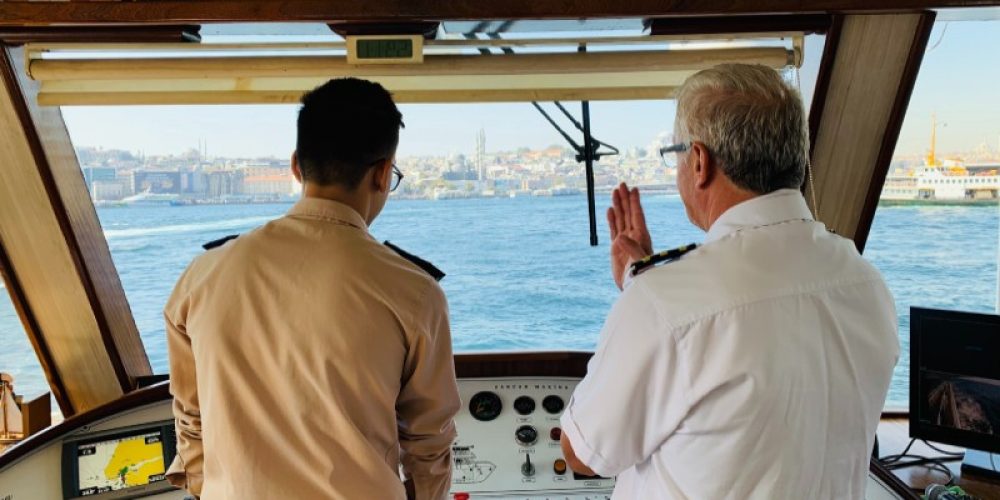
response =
{"points": [[384, 49]]}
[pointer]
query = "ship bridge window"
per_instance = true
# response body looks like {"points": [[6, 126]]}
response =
{"points": [[938, 247], [493, 194]]}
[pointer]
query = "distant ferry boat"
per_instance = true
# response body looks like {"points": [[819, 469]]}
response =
{"points": [[949, 182], [557, 191], [147, 198], [451, 194]]}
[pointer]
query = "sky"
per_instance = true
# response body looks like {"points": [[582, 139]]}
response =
{"points": [[958, 81]]}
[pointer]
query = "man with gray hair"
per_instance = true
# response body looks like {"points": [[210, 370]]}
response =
{"points": [[754, 365]]}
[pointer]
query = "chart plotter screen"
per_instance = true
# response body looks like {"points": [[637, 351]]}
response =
{"points": [[121, 463], [118, 464]]}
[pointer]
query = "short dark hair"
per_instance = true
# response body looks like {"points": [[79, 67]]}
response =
{"points": [[345, 126]]}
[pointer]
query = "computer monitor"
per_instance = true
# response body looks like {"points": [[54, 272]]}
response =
{"points": [[955, 383]]}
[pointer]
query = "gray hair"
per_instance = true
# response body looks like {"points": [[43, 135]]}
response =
{"points": [[752, 122]]}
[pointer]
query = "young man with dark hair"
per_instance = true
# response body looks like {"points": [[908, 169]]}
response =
{"points": [[308, 360]]}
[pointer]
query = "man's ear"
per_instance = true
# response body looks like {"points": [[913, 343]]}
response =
{"points": [[703, 166], [381, 176], [296, 170]]}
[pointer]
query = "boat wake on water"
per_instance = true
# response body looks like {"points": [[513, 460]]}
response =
{"points": [[200, 227]]}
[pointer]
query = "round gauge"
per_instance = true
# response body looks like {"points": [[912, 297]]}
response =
{"points": [[526, 435], [485, 406], [524, 405], [553, 404]]}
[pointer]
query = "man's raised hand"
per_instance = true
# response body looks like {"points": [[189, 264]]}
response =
{"points": [[630, 238]]}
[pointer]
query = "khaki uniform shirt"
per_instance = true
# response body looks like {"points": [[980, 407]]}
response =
{"points": [[309, 361]]}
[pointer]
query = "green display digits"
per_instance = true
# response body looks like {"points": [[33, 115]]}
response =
{"points": [[385, 49]]}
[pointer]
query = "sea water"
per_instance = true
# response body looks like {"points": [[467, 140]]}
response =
{"points": [[520, 272]]}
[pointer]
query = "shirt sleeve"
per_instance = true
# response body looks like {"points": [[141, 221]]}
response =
{"points": [[186, 471], [428, 402], [633, 397]]}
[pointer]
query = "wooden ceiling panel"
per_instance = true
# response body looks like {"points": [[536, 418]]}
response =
{"points": [[31, 13]]}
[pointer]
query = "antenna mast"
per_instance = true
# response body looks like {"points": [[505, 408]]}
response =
{"points": [[931, 158]]}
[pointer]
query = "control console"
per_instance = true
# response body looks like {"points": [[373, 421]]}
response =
{"points": [[508, 442]]}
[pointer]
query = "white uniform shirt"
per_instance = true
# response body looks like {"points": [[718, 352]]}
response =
{"points": [[756, 366]]}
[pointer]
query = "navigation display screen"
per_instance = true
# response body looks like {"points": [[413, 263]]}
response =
{"points": [[385, 49], [955, 378], [120, 463]]}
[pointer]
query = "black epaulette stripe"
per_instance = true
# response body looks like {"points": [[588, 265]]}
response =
{"points": [[428, 268], [219, 242], [664, 256]]}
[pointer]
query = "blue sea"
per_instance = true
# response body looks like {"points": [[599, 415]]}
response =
{"points": [[521, 273]]}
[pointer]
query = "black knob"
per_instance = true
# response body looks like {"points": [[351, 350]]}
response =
{"points": [[553, 404], [526, 435], [524, 405]]}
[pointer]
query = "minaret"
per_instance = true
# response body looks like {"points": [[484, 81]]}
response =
{"points": [[481, 154]]}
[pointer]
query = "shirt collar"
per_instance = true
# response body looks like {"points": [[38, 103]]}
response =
{"points": [[322, 208], [772, 208]]}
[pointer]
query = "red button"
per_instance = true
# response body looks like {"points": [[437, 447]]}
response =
{"points": [[555, 434], [461, 496]]}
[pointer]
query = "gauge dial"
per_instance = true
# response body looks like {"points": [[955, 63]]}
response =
{"points": [[553, 404], [526, 435], [524, 405], [485, 406]]}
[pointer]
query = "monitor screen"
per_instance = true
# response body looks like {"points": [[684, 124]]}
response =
{"points": [[117, 464], [124, 461], [955, 378]]}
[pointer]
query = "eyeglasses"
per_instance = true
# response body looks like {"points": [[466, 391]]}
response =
{"points": [[680, 147], [397, 177]]}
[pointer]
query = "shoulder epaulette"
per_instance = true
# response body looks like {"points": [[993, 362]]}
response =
{"points": [[219, 242], [661, 258], [429, 268]]}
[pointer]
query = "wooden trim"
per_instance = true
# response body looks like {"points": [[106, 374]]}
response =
{"points": [[83, 12], [17, 35], [804, 23], [36, 415], [88, 327], [830, 46], [22, 104], [130, 401], [31, 328], [865, 79], [427, 29], [522, 364], [460, 43], [98, 272], [893, 128]]}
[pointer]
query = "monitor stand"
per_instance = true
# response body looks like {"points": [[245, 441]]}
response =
{"points": [[981, 463]]}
